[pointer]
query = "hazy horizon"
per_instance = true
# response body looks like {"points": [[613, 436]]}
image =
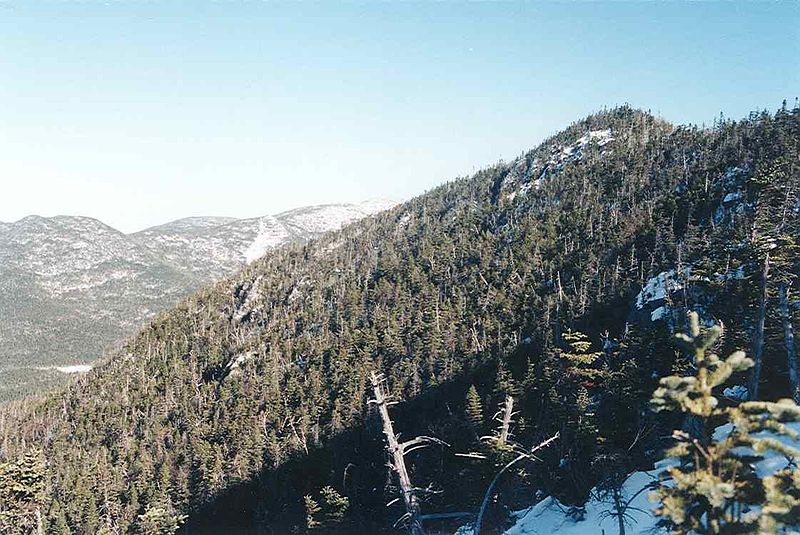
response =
{"points": [[386, 202]]}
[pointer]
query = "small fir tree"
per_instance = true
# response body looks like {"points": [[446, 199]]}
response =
{"points": [[328, 511], [159, 519], [22, 486], [312, 510], [713, 487], [474, 409]]}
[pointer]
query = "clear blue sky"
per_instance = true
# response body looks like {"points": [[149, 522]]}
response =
{"points": [[138, 112]]}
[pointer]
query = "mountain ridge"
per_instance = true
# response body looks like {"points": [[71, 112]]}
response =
{"points": [[75, 285]]}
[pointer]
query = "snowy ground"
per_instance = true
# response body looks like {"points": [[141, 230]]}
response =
{"points": [[550, 516]]}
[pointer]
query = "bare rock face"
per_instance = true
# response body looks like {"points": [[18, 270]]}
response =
{"points": [[71, 286]]}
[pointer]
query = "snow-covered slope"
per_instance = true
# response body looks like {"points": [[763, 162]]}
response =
{"points": [[71, 286], [213, 247]]}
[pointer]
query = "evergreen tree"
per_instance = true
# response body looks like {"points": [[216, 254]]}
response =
{"points": [[57, 521], [22, 486], [474, 409], [328, 512], [713, 485], [334, 506], [159, 519], [312, 510]]}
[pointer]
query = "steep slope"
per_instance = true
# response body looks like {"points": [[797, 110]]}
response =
{"points": [[72, 286], [252, 392]]}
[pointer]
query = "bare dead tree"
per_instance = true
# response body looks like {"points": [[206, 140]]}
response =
{"points": [[788, 338], [521, 455], [505, 418], [758, 337], [397, 451], [508, 413]]}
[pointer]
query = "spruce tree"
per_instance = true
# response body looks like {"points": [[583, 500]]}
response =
{"points": [[326, 512], [159, 519], [312, 510], [57, 521], [712, 487], [474, 409], [22, 486], [334, 505]]}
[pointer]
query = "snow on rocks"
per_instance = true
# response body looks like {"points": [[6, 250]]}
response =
{"points": [[236, 362], [734, 177], [655, 296], [733, 201], [525, 174], [658, 288], [658, 313], [248, 296], [404, 220], [572, 153], [601, 137], [732, 197]]}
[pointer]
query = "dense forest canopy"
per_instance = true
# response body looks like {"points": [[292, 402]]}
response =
{"points": [[557, 278]]}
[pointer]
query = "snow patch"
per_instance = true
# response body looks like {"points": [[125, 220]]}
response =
{"points": [[601, 137], [236, 362], [551, 516], [732, 197], [736, 393], [659, 287], [75, 368], [270, 234], [69, 369], [658, 313]]}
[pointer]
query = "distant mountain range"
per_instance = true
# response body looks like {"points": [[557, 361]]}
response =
{"points": [[71, 286]]}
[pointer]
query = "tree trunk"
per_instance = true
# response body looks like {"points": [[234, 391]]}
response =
{"points": [[505, 428], [620, 509], [476, 528], [39, 523], [788, 337], [758, 337], [398, 462]]}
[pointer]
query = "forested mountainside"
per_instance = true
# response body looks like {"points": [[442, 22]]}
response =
{"points": [[556, 277], [70, 287]]}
